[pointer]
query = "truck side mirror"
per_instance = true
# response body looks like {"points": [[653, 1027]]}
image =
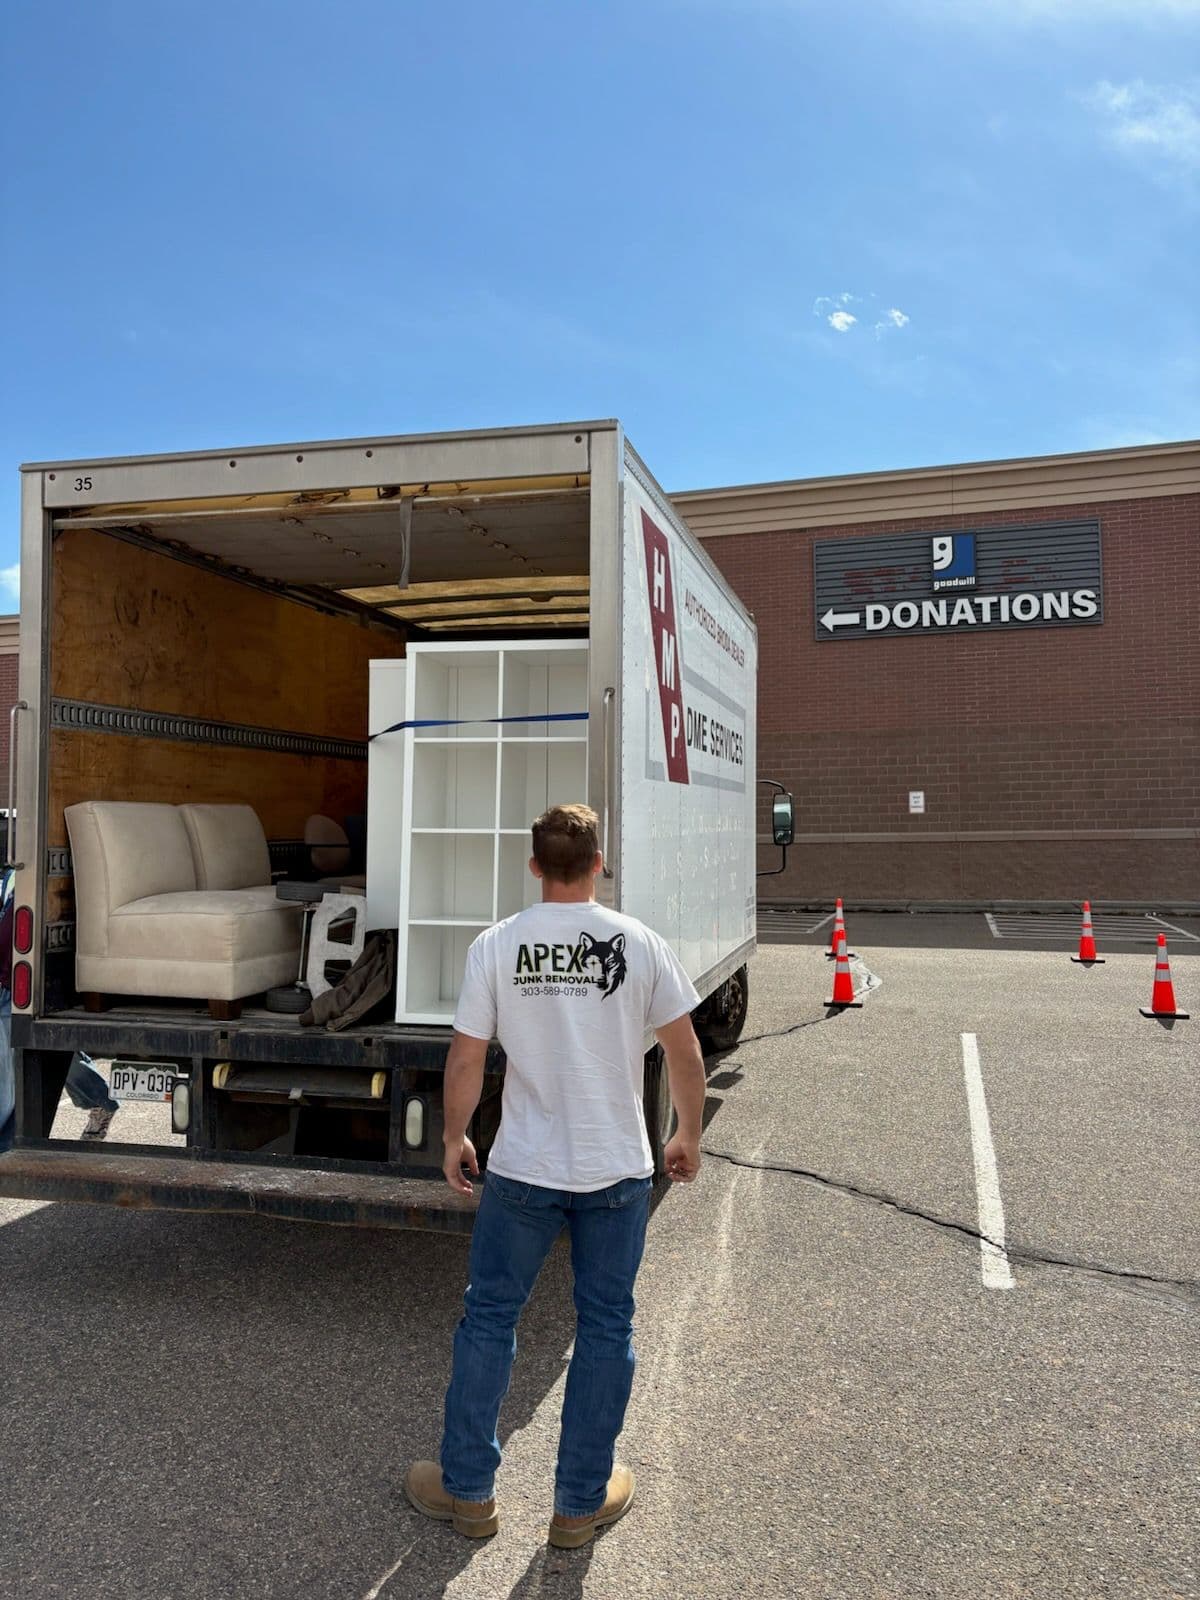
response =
{"points": [[783, 820]]}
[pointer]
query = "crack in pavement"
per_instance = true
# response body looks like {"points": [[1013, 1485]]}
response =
{"points": [[1186, 1290], [871, 981], [778, 1033]]}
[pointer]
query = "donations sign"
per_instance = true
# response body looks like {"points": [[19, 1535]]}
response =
{"points": [[1045, 575]]}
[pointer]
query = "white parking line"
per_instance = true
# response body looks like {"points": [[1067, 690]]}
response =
{"points": [[1154, 917], [1110, 928], [14, 1210], [993, 1265], [775, 918]]}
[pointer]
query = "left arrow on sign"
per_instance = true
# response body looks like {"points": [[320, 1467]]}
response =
{"points": [[839, 619]]}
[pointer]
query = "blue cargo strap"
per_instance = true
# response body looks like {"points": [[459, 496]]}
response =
{"points": [[466, 722]]}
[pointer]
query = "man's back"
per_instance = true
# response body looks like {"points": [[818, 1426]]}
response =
{"points": [[570, 989]]}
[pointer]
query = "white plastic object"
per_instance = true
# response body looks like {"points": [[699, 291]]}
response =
{"points": [[321, 948]]}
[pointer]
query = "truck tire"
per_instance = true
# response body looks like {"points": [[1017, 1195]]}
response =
{"points": [[290, 999], [720, 1020], [657, 1107]]}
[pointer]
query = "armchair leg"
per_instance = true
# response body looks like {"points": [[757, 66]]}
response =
{"points": [[94, 1002], [224, 1010]]}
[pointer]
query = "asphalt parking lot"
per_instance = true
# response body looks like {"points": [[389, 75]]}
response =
{"points": [[831, 1401]]}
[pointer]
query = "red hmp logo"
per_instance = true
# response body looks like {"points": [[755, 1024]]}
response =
{"points": [[666, 647]]}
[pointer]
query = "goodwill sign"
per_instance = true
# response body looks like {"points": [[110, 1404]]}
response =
{"points": [[1039, 576]]}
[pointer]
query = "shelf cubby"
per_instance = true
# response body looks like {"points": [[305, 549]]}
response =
{"points": [[516, 886], [451, 875], [434, 969], [534, 776], [455, 693], [454, 785], [544, 683]]}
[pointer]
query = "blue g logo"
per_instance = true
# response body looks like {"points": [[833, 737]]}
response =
{"points": [[954, 561]]}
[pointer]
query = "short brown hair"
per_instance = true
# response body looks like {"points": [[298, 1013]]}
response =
{"points": [[565, 841]]}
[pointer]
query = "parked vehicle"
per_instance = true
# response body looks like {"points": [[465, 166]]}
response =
{"points": [[199, 631]]}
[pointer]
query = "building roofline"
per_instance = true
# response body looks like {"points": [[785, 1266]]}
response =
{"points": [[898, 474], [1017, 483]]}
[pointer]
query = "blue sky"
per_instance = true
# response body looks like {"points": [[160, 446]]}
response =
{"points": [[776, 237]]}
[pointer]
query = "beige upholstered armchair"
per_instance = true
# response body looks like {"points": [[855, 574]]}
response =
{"points": [[177, 902]]}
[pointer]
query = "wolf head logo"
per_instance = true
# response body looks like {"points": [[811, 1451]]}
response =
{"points": [[611, 956]]}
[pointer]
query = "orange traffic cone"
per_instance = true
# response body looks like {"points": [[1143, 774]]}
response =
{"points": [[843, 983], [839, 932], [1087, 944], [1162, 1001]]}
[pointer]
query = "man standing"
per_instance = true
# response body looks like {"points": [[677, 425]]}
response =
{"points": [[570, 989]]}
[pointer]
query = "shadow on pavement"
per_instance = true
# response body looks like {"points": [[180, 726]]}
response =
{"points": [[555, 1573], [207, 1406]]}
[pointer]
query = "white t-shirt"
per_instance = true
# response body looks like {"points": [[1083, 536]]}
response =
{"points": [[569, 989]]}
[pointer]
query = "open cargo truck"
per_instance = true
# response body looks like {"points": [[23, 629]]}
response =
{"points": [[202, 628]]}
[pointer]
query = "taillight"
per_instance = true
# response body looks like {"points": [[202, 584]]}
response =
{"points": [[22, 989], [23, 930]]}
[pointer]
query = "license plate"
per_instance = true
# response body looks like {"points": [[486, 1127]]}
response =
{"points": [[141, 1080]]}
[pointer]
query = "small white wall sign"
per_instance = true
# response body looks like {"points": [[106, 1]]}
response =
{"points": [[916, 802]]}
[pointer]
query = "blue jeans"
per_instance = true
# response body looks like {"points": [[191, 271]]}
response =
{"points": [[84, 1084], [87, 1089], [515, 1226]]}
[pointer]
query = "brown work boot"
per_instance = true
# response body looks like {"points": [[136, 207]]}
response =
{"points": [[478, 1519], [568, 1533]]}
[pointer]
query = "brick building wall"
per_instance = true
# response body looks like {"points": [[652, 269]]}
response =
{"points": [[8, 686], [1057, 763]]}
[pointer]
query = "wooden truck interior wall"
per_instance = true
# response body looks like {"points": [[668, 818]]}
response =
{"points": [[143, 631]]}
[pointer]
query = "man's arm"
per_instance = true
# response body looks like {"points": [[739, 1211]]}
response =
{"points": [[461, 1089], [685, 1074]]}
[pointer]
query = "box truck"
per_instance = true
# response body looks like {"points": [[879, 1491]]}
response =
{"points": [[441, 634]]}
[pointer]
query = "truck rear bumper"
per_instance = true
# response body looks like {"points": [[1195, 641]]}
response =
{"points": [[174, 1183]]}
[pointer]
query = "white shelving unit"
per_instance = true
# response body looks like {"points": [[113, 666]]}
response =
{"points": [[480, 760]]}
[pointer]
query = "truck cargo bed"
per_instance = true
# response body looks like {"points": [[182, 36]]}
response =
{"points": [[186, 1181], [257, 1035]]}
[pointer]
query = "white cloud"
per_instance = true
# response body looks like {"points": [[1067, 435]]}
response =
{"points": [[1145, 119], [10, 584], [892, 318], [832, 307], [827, 302]]}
